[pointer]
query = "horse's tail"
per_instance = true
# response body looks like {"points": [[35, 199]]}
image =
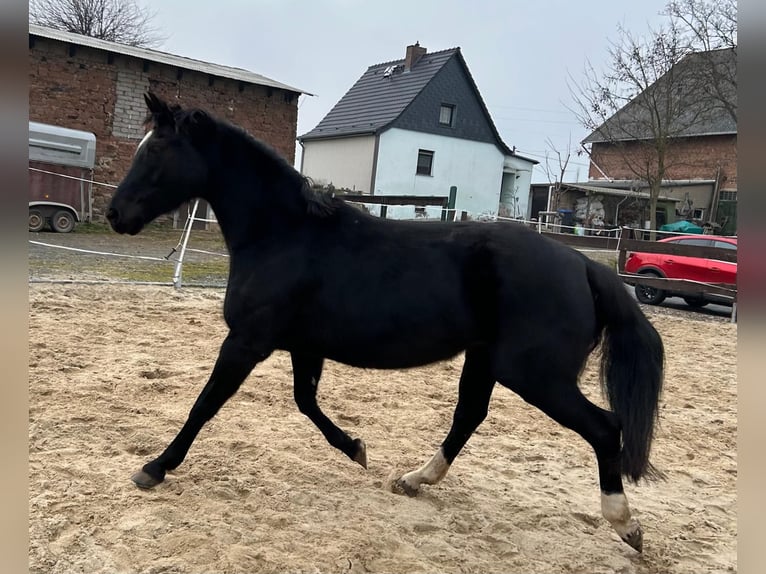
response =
{"points": [[632, 364]]}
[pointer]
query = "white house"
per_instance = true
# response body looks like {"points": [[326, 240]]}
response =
{"points": [[418, 126]]}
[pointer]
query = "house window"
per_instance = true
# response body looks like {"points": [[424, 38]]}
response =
{"points": [[698, 214], [425, 162], [447, 115]]}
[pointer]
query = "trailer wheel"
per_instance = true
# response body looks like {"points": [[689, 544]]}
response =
{"points": [[36, 220], [62, 221]]}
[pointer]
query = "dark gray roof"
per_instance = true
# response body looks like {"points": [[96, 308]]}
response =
{"points": [[696, 110], [384, 95], [378, 97]]}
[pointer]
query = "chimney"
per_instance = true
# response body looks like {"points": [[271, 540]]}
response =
{"points": [[414, 53]]}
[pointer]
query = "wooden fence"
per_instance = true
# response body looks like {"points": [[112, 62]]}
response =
{"points": [[679, 286], [417, 200], [585, 241], [676, 286], [617, 240]]}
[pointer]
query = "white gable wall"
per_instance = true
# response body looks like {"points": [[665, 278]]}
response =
{"points": [[476, 168], [344, 162]]}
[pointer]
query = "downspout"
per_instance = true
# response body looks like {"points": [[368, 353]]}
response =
{"points": [[374, 173], [303, 155], [617, 211], [713, 211], [550, 191]]}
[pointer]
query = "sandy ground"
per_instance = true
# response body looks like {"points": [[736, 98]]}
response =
{"points": [[114, 370]]}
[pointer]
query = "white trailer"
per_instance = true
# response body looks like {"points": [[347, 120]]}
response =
{"points": [[61, 162]]}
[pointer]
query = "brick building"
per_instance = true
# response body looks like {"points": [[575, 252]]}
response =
{"points": [[710, 157], [701, 157], [97, 86]]}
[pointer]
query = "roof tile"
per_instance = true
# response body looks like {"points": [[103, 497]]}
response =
{"points": [[378, 97]]}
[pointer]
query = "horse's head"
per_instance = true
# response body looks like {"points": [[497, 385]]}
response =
{"points": [[167, 170]]}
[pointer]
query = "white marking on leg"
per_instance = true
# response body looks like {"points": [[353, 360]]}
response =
{"points": [[143, 141], [615, 509], [430, 473]]}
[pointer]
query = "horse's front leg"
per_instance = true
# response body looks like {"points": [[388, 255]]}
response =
{"points": [[237, 357], [306, 373]]}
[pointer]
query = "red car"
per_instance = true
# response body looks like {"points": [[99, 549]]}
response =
{"points": [[679, 267]]}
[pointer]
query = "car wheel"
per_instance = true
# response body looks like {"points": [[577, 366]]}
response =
{"points": [[649, 295], [62, 221], [695, 302], [36, 220]]}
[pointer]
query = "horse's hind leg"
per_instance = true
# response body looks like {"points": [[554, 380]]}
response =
{"points": [[306, 373], [236, 359], [475, 390], [563, 401]]}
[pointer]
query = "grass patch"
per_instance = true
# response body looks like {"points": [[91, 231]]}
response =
{"points": [[608, 258], [156, 232], [215, 272], [92, 228]]}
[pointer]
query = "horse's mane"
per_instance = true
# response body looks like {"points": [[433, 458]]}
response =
{"points": [[318, 203]]}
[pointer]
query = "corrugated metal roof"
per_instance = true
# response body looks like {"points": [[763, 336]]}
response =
{"points": [[162, 58], [700, 113], [615, 191], [379, 96]]}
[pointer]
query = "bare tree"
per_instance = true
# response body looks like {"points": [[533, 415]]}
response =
{"points": [[639, 104], [556, 173], [710, 27], [657, 89], [122, 21]]}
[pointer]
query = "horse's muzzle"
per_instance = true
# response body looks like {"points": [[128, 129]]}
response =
{"points": [[113, 216], [120, 224]]}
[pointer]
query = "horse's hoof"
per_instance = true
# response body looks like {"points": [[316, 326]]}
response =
{"points": [[361, 453], [398, 486], [143, 479], [635, 539]]}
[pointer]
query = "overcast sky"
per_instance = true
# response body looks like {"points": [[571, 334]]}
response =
{"points": [[519, 53]]}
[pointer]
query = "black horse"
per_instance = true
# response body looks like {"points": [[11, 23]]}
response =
{"points": [[316, 277]]}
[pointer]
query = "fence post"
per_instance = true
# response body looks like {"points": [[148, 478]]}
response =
{"points": [[622, 255], [450, 216], [180, 262]]}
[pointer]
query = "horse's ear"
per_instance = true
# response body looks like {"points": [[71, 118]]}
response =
{"points": [[159, 110], [196, 124], [154, 103], [151, 101]]}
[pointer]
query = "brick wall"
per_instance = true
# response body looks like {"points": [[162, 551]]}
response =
{"points": [[690, 158], [88, 89]]}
